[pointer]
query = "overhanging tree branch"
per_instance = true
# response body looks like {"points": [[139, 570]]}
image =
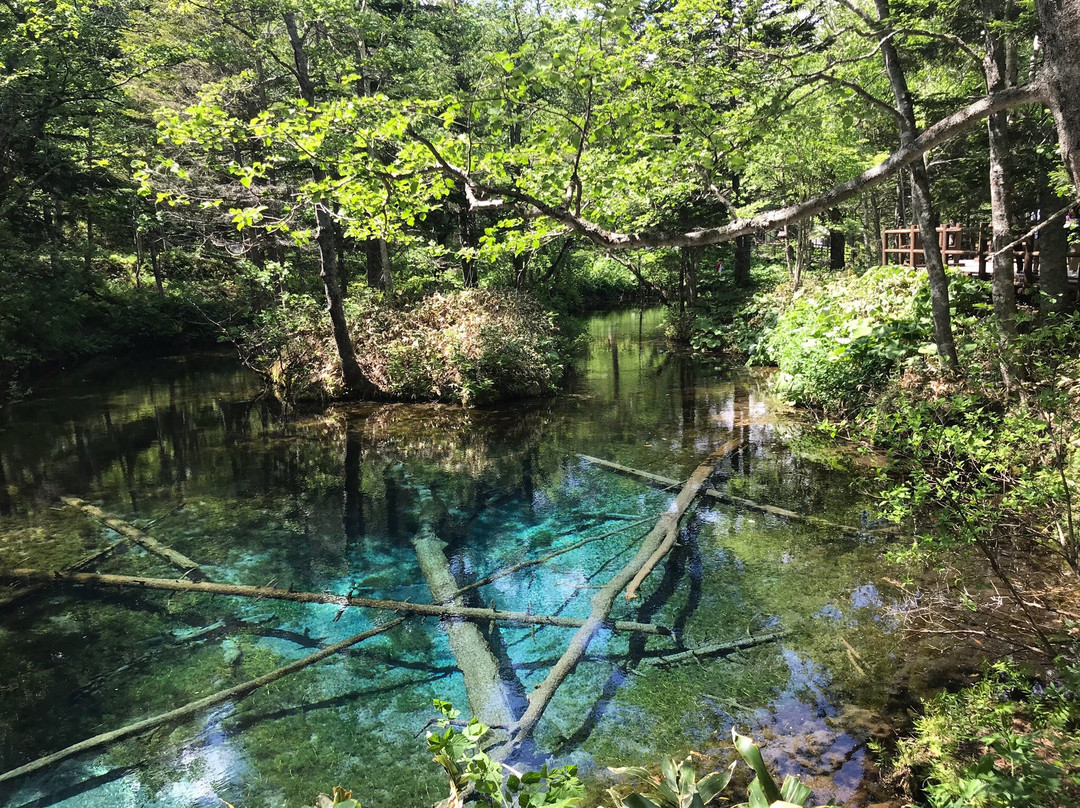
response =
{"points": [[492, 196]]}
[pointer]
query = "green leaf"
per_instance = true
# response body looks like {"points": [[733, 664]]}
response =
{"points": [[712, 784], [638, 801], [794, 791], [752, 755]]}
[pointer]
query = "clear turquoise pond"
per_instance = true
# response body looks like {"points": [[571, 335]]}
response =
{"points": [[329, 501]]}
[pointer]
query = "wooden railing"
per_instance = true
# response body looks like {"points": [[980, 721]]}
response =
{"points": [[967, 249]]}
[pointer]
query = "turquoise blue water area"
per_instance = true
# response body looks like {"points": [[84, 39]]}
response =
{"points": [[329, 500]]}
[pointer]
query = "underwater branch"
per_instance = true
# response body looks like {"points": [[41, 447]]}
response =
{"points": [[59, 578]]}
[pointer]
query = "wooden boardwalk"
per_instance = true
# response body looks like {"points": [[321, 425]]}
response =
{"points": [[968, 249]]}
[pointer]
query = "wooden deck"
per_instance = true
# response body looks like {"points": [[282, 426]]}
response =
{"points": [[968, 249]]}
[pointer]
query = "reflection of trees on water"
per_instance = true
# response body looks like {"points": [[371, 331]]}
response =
{"points": [[334, 496]]}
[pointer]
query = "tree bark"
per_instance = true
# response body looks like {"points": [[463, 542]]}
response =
{"points": [[191, 569], [373, 259], [668, 525], [58, 578], [155, 265], [604, 600], [1053, 258], [922, 201], [744, 250], [356, 383], [1003, 283], [488, 697], [469, 240], [837, 242], [1059, 32], [13, 597], [708, 651], [667, 482], [89, 200], [744, 245]]}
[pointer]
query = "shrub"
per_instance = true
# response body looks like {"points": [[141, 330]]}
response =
{"points": [[471, 347], [1005, 741], [835, 344]]}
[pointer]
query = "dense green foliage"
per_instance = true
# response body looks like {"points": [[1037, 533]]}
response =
{"points": [[1008, 740], [426, 149], [835, 344]]}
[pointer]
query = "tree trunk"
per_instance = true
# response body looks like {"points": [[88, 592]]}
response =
{"points": [[373, 257], [190, 568], [521, 270], [386, 277], [604, 600], [50, 225], [489, 696], [155, 265], [342, 250], [139, 258], [922, 203], [1053, 258], [837, 241], [89, 200], [744, 245], [1059, 30], [470, 241], [57, 578], [1003, 281], [690, 256], [744, 250], [356, 383]]}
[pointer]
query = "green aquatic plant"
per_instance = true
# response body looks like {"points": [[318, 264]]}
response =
{"points": [[470, 768], [677, 785]]}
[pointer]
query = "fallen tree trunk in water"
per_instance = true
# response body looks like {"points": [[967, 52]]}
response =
{"points": [[11, 598], [129, 531], [707, 651], [488, 698], [259, 592], [669, 522], [741, 502], [604, 600], [543, 559], [195, 707]]}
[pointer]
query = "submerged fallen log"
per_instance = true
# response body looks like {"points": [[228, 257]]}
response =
{"points": [[545, 558], [59, 578], [663, 534], [682, 502], [730, 499], [484, 687], [13, 597], [190, 569], [707, 651], [654, 479], [195, 707]]}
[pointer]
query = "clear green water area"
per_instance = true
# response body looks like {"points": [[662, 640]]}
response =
{"points": [[328, 500]]}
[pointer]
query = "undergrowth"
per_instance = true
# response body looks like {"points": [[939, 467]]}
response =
{"points": [[1008, 740], [470, 347], [836, 344]]}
